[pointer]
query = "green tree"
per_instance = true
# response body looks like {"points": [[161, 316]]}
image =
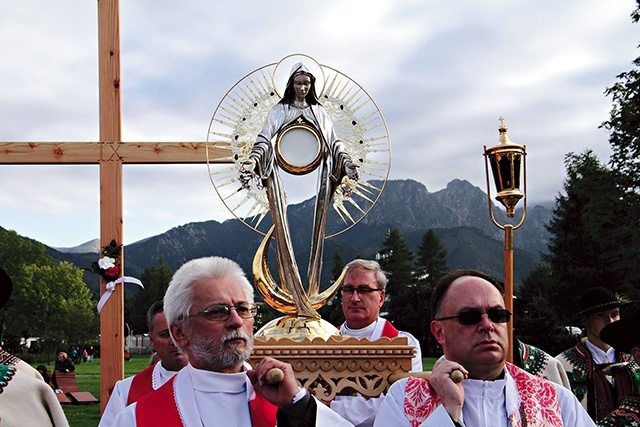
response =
{"points": [[432, 259], [431, 266], [536, 312], [588, 245], [16, 251], [624, 123], [53, 304], [397, 260], [155, 281]]}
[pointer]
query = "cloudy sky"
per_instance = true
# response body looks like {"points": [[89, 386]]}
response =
{"points": [[441, 73]]}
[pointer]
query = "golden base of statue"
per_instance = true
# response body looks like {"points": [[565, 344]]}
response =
{"points": [[298, 328]]}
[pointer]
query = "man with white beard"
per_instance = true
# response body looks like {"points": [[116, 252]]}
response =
{"points": [[210, 310]]}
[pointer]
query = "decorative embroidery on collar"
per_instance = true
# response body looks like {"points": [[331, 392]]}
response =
{"points": [[7, 358], [539, 405], [420, 400], [6, 373], [538, 400]]}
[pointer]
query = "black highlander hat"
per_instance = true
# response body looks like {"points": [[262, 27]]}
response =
{"points": [[598, 299]]}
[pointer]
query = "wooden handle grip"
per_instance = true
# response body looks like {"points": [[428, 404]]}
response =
{"points": [[274, 376], [456, 376]]}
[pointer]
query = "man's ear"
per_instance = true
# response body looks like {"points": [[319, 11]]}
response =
{"points": [[584, 321], [438, 331], [180, 334], [382, 297]]}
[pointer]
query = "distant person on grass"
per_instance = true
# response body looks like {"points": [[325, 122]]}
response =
{"points": [[63, 364]]}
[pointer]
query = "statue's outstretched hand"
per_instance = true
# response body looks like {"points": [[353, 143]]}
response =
{"points": [[248, 166], [351, 170], [247, 172]]}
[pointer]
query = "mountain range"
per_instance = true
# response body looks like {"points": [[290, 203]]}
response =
{"points": [[458, 214]]}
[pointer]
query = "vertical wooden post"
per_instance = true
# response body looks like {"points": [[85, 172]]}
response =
{"points": [[508, 286], [111, 212]]}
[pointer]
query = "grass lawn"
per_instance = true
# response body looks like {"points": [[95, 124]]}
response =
{"points": [[427, 363], [88, 378]]}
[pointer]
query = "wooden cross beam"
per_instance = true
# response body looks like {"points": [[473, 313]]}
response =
{"points": [[34, 153], [110, 153]]}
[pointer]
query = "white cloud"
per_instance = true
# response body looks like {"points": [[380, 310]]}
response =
{"points": [[441, 72]]}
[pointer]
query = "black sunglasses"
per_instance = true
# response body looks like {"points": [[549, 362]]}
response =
{"points": [[473, 317]]}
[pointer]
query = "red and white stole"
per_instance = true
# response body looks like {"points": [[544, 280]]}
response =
{"points": [[141, 385], [161, 409], [539, 403], [389, 331]]}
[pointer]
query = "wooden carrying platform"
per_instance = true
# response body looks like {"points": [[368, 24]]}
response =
{"points": [[340, 366], [70, 391]]}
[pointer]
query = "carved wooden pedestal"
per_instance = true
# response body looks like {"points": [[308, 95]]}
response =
{"points": [[340, 365]]}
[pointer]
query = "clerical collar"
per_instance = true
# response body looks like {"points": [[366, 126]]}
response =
{"points": [[216, 382], [160, 375], [365, 332], [165, 369]]}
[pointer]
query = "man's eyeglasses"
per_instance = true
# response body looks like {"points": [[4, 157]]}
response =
{"points": [[473, 317], [222, 312], [361, 290]]}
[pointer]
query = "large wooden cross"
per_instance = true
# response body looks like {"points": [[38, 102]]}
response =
{"points": [[110, 153]]}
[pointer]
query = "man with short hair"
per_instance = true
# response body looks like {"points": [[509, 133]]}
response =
{"points": [[363, 294], [171, 360], [470, 323], [624, 335], [210, 310], [599, 375]]}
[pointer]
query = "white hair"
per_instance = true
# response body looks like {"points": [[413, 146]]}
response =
{"points": [[179, 296]]}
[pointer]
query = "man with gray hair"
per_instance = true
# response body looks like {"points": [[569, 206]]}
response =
{"points": [[210, 310], [363, 294]]}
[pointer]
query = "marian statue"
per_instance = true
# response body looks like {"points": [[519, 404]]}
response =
{"points": [[322, 121], [300, 106]]}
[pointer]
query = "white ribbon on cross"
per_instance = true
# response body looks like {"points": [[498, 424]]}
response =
{"points": [[111, 287]]}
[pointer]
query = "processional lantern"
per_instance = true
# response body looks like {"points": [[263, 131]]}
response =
{"points": [[508, 162]]}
